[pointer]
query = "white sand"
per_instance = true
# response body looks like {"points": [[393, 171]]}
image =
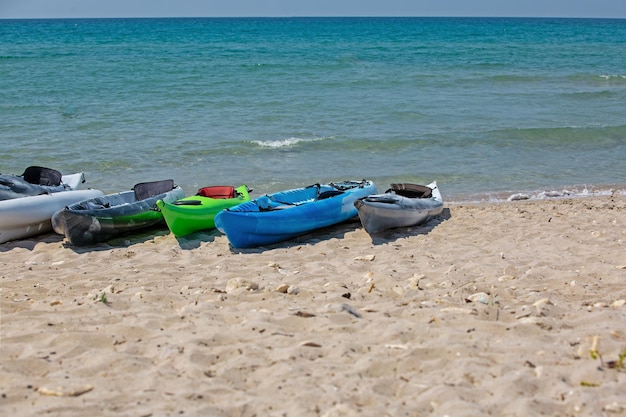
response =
{"points": [[492, 309]]}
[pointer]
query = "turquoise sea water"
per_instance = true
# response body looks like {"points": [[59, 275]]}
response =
{"points": [[487, 107]]}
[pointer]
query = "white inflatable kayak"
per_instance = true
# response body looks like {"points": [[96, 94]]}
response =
{"points": [[36, 181], [30, 216]]}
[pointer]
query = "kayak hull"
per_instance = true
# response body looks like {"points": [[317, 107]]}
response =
{"points": [[380, 212], [103, 218], [195, 213], [29, 216], [281, 216]]}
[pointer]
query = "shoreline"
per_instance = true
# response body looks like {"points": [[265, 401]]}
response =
{"points": [[492, 308], [552, 193]]}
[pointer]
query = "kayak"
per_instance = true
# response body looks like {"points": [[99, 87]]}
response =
{"points": [[28, 201], [29, 216], [197, 212], [402, 205], [280, 216], [102, 218], [37, 180]]}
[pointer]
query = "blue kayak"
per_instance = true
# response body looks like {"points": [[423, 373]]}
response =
{"points": [[280, 216]]}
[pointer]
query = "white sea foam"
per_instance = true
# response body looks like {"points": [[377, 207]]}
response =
{"points": [[283, 143], [610, 76]]}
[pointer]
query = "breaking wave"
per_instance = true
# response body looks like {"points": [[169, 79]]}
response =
{"points": [[284, 143]]}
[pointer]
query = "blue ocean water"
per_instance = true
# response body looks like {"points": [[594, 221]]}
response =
{"points": [[485, 106]]}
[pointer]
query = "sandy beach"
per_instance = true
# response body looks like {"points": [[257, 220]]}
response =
{"points": [[504, 309]]}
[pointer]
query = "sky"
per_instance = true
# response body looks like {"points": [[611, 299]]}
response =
{"points": [[18, 9]]}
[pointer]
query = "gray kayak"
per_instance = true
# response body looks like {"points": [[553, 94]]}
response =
{"points": [[403, 205]]}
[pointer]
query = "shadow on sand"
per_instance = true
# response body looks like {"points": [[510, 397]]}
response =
{"points": [[123, 241], [392, 235], [195, 240], [29, 243], [338, 231]]}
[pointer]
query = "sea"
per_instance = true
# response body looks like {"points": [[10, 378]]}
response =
{"points": [[490, 108]]}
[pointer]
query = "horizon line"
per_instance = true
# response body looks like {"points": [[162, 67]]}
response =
{"points": [[313, 17]]}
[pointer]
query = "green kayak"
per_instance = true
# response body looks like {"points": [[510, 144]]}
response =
{"points": [[197, 212]]}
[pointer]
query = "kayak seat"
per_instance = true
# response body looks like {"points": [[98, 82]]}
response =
{"points": [[92, 205], [269, 203], [217, 191], [328, 194], [273, 208], [411, 190], [42, 176], [145, 190]]}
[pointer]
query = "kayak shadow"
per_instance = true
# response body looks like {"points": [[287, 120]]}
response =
{"points": [[392, 235], [123, 241], [338, 231], [192, 241], [196, 239], [30, 243]]}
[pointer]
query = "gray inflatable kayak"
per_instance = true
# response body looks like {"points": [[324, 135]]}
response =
{"points": [[402, 205]]}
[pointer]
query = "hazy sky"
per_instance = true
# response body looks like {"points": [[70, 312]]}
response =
{"points": [[221, 8]]}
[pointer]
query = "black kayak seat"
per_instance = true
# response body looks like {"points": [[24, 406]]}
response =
{"points": [[329, 194], [145, 190], [412, 190], [42, 176]]}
